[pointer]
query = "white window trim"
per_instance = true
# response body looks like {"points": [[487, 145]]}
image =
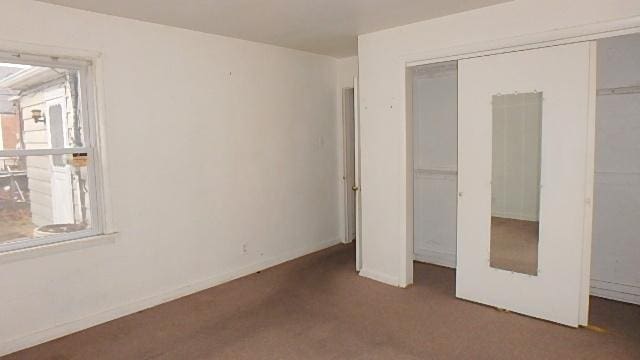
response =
{"points": [[86, 64]]}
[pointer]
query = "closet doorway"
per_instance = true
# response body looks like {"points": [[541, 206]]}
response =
{"points": [[613, 173], [434, 107], [525, 152], [615, 265], [351, 160]]}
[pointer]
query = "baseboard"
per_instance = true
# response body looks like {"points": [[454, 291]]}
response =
{"points": [[64, 329], [378, 276], [515, 216], [615, 291], [441, 258]]}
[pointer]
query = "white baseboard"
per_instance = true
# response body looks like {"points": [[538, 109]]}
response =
{"points": [[515, 216], [614, 291], [378, 276], [64, 329], [441, 258]]}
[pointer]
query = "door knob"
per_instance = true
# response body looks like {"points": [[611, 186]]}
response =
{"points": [[355, 188]]}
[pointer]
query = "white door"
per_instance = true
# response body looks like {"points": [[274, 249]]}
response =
{"points": [[61, 187], [357, 188], [525, 181], [349, 159]]}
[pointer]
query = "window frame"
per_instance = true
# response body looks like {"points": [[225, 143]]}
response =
{"points": [[89, 111]]}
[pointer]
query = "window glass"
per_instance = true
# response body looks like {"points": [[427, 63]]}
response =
{"points": [[46, 169], [43, 195], [39, 108]]}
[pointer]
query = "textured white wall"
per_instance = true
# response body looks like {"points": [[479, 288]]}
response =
{"points": [[212, 143], [382, 104]]}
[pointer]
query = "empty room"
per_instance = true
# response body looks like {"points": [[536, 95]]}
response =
{"points": [[340, 179]]}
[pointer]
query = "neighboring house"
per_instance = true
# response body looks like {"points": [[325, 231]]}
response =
{"points": [[45, 107], [9, 124]]}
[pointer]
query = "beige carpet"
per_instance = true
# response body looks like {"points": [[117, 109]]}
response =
{"points": [[514, 245], [317, 307]]}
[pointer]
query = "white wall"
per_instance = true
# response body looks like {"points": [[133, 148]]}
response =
{"points": [[212, 143], [435, 162], [347, 69], [616, 245], [384, 130]]}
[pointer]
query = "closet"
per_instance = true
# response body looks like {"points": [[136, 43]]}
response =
{"points": [[435, 116], [520, 128], [615, 266]]}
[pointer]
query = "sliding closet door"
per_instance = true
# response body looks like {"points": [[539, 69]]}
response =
{"points": [[525, 181]]}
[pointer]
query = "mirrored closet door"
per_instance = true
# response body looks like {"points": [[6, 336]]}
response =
{"points": [[525, 139]]}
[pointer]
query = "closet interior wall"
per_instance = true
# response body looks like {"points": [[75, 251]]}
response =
{"points": [[615, 266], [435, 146]]}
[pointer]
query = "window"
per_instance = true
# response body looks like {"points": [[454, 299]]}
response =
{"points": [[48, 164]]}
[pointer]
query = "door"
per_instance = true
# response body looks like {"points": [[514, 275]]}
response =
{"points": [[349, 160], [525, 154], [357, 188], [61, 187]]}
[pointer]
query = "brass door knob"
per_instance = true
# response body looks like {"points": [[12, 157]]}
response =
{"points": [[355, 188]]}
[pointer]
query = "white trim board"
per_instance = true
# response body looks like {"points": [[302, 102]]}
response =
{"points": [[564, 36], [435, 257], [44, 335], [377, 276], [614, 291], [513, 215]]}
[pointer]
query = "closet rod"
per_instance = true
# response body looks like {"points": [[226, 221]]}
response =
{"points": [[623, 90]]}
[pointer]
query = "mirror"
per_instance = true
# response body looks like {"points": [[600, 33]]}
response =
{"points": [[515, 184]]}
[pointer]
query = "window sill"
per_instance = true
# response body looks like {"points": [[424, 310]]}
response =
{"points": [[58, 247]]}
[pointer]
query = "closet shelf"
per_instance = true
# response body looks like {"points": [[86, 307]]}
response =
{"points": [[623, 90], [431, 172]]}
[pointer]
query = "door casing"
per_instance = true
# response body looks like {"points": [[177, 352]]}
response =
{"points": [[358, 180]]}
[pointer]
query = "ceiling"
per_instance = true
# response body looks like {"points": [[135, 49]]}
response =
{"points": [[328, 27]]}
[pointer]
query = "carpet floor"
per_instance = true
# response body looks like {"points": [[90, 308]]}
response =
{"points": [[317, 307]]}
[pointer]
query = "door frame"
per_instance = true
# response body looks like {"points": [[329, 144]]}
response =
{"points": [[356, 174], [519, 43]]}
